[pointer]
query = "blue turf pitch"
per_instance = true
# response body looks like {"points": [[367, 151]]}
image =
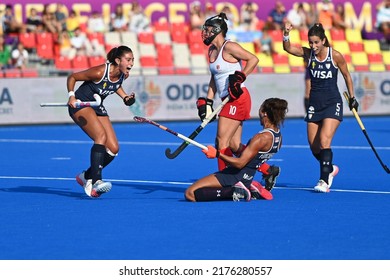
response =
{"points": [[46, 215]]}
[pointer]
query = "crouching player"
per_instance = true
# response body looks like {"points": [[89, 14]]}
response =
{"points": [[235, 182]]}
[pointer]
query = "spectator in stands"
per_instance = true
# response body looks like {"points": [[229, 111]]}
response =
{"points": [[311, 14], [265, 43], [297, 17], [9, 22], [96, 23], [60, 15], [82, 46], [65, 46], [325, 15], [209, 10], [118, 21], [50, 24], [383, 19], [339, 17], [277, 17], [248, 18], [197, 16], [20, 56], [72, 22], [138, 22], [33, 21], [231, 23], [5, 54]]}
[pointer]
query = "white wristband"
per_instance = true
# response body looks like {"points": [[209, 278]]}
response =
{"points": [[286, 38], [71, 93]]}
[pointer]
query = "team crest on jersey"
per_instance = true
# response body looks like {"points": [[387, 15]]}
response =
{"points": [[327, 65]]}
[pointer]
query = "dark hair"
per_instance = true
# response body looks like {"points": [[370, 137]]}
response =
{"points": [[318, 30], [276, 110], [117, 52]]}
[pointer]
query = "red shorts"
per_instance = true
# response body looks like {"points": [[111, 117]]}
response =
{"points": [[239, 109]]}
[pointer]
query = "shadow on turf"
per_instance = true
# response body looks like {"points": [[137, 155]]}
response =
{"points": [[45, 190]]}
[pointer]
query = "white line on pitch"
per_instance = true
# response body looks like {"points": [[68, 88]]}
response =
{"points": [[178, 183], [134, 143]]}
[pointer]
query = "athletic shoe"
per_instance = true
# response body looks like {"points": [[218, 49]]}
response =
{"points": [[80, 178], [241, 192], [322, 187], [259, 192], [100, 187], [88, 187], [332, 175], [270, 179]]}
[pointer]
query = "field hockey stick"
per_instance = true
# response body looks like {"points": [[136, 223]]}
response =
{"points": [[346, 95], [183, 145], [144, 120], [78, 104]]}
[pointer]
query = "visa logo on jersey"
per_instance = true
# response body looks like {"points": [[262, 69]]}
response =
{"points": [[321, 74]]}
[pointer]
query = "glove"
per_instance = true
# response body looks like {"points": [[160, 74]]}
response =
{"points": [[128, 100], [235, 81], [205, 108], [211, 152], [353, 104]]}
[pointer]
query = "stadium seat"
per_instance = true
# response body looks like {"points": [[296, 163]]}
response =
{"points": [[149, 65], [266, 63], [165, 65], [28, 40], [197, 48], [179, 36], [181, 26], [360, 61], [353, 35], [80, 62], [337, 34], [386, 59], [377, 67], [63, 63], [12, 73], [112, 38], [162, 37], [96, 60], [280, 59], [147, 49], [165, 59], [195, 36], [161, 26], [45, 51], [99, 36], [130, 39], [44, 38], [30, 73], [372, 46], [199, 64], [146, 37], [341, 46], [164, 50], [181, 58], [282, 69], [296, 63], [249, 46], [295, 36], [375, 58], [356, 46], [276, 35]]}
